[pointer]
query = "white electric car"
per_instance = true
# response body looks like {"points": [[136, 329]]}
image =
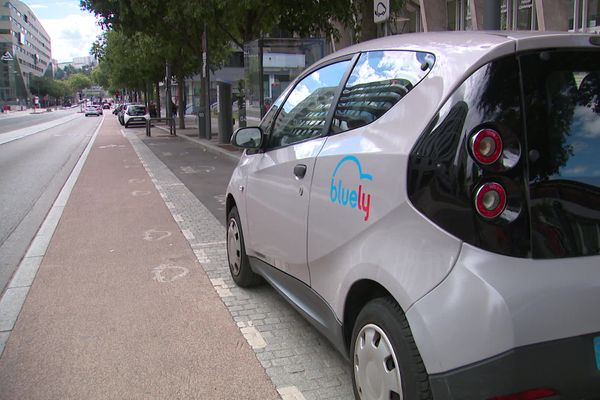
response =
{"points": [[431, 203]]}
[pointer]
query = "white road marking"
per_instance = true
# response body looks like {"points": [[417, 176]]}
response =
{"points": [[137, 180], [168, 273], [290, 393], [188, 234], [208, 244], [201, 256], [153, 235], [201, 169], [138, 193], [252, 335]]}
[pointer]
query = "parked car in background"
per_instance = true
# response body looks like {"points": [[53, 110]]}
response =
{"points": [[117, 109], [431, 203], [136, 114], [121, 113]]}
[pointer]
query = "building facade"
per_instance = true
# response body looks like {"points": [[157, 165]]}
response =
{"points": [[24, 51], [544, 15]]}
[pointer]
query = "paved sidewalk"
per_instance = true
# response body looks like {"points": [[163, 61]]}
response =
{"points": [[120, 307]]}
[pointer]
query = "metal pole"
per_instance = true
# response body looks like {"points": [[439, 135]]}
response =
{"points": [[168, 91], [208, 129], [491, 16]]}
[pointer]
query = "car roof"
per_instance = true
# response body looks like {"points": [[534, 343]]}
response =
{"points": [[454, 42], [459, 53]]}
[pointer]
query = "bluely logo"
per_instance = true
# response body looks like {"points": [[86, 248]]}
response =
{"points": [[353, 197]]}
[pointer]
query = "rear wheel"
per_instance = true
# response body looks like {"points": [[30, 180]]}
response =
{"points": [[385, 360], [239, 266]]}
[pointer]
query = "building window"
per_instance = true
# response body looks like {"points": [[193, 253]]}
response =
{"points": [[585, 15], [452, 15], [459, 15], [518, 15]]}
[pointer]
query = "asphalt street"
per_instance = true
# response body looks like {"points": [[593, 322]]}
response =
{"points": [[33, 169], [205, 174], [19, 120]]}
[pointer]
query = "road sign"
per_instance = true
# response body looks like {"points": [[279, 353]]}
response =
{"points": [[6, 56], [381, 10]]}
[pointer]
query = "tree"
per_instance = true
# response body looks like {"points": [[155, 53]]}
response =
{"points": [[100, 76], [77, 82], [58, 90]]}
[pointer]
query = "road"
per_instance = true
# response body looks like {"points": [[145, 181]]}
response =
{"points": [[20, 120], [33, 169], [205, 174]]}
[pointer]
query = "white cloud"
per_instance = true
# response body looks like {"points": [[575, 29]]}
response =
{"points": [[72, 35], [37, 6], [300, 93]]}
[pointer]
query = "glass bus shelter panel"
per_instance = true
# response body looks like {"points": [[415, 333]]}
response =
{"points": [[271, 65]]}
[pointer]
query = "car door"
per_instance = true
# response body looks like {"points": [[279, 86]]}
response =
{"points": [[357, 182], [279, 177]]}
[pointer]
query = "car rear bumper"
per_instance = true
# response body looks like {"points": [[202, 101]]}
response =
{"points": [[570, 366], [136, 120]]}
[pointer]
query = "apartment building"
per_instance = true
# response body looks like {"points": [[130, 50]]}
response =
{"points": [[24, 51]]}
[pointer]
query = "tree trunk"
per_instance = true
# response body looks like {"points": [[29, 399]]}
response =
{"points": [[158, 101], [181, 101]]}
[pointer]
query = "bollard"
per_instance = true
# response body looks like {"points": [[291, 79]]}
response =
{"points": [[225, 112], [172, 127], [148, 128]]}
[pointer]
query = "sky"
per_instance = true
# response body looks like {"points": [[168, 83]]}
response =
{"points": [[72, 31]]}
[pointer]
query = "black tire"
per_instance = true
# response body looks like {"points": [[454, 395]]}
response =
{"points": [[385, 315], [239, 265]]}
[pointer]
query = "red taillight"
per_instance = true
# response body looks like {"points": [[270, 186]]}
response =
{"points": [[532, 394], [486, 146], [490, 200]]}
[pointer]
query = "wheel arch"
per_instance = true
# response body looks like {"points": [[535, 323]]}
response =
{"points": [[229, 204], [361, 292]]}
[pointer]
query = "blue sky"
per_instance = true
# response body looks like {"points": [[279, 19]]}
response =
{"points": [[72, 31]]}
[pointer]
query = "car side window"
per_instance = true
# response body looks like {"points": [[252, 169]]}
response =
{"points": [[379, 80], [304, 112]]}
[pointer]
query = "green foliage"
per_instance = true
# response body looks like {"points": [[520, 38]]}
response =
{"points": [[59, 89], [46, 86], [78, 82], [40, 85], [100, 76], [130, 61], [141, 35]]}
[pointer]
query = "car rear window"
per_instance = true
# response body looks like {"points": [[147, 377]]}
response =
{"points": [[562, 105], [377, 82], [136, 110]]}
